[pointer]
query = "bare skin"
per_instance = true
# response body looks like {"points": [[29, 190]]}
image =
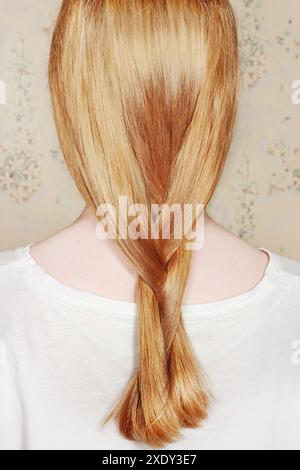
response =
{"points": [[225, 268]]}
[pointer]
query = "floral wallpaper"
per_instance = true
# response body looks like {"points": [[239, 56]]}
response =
{"points": [[258, 197]]}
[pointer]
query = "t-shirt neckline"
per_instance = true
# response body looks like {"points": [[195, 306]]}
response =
{"points": [[46, 283]]}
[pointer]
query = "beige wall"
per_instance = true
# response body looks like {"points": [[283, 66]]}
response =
{"points": [[259, 196]]}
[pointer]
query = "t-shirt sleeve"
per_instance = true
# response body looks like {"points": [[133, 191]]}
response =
{"points": [[10, 410], [11, 426]]}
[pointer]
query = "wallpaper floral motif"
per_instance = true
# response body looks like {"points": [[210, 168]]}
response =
{"points": [[259, 195], [252, 42], [20, 173]]}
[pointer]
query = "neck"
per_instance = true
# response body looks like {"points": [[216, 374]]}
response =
{"points": [[225, 266]]}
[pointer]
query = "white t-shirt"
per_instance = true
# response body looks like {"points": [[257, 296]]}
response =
{"points": [[66, 356]]}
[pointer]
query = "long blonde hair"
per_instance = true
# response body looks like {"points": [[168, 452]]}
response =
{"points": [[144, 97]]}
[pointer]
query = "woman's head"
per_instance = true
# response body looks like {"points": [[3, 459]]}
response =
{"points": [[144, 97]]}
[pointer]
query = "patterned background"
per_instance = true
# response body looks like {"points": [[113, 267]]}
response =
{"points": [[259, 195]]}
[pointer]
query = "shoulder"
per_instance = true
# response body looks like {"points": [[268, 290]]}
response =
{"points": [[11, 281], [289, 266], [288, 269], [12, 264], [11, 260], [287, 273]]}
